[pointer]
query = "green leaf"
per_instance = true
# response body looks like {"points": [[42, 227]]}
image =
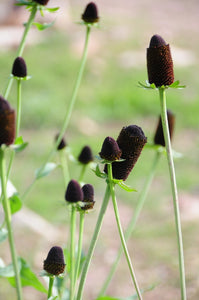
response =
{"points": [[147, 85], [43, 26], [47, 169], [3, 235], [98, 173], [23, 2], [8, 271], [28, 278], [176, 85], [52, 9], [15, 203], [107, 298], [126, 187], [19, 145]]}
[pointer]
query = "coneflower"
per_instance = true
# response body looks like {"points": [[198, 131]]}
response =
{"points": [[42, 2], [110, 149], [159, 136], [19, 68], [74, 192], [159, 62], [88, 192], [90, 14], [54, 264], [85, 155], [62, 143], [7, 123]]}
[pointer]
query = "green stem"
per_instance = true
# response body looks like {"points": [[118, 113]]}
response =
{"points": [[18, 107], [8, 219], [72, 101], [82, 173], [64, 165], [80, 241], [72, 251], [93, 243], [22, 45], [132, 223], [50, 287], [133, 277], [162, 94]]}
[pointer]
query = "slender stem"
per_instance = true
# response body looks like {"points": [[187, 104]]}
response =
{"points": [[93, 243], [72, 101], [79, 252], [162, 94], [64, 165], [72, 251], [22, 45], [50, 287], [132, 272], [18, 107], [8, 219], [132, 223], [82, 173]]}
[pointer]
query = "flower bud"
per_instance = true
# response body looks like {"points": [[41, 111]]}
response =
{"points": [[62, 143], [41, 2], [74, 192], [19, 68], [85, 155], [159, 135], [110, 149], [88, 192], [54, 263], [7, 123], [159, 62], [131, 141], [90, 14]]}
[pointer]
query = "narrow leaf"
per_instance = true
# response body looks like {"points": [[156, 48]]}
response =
{"points": [[42, 172], [15, 203], [19, 145], [43, 26], [3, 235], [52, 9]]}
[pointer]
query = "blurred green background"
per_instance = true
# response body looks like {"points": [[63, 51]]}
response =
{"points": [[109, 98]]}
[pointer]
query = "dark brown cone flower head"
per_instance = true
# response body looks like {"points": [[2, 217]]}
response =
{"points": [[131, 141], [74, 192], [41, 2], [88, 192], [85, 155], [54, 263], [159, 135], [90, 14], [19, 68], [62, 143], [159, 62], [110, 149], [7, 123]]}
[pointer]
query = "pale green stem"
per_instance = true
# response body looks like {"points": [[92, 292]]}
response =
{"points": [[18, 107], [72, 101], [22, 45], [165, 126], [128, 259], [132, 223], [50, 287], [93, 243], [8, 219], [84, 166], [64, 165], [72, 251], [80, 242]]}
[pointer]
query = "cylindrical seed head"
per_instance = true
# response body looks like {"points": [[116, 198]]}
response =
{"points": [[73, 192], [110, 149], [85, 155], [7, 123], [159, 62], [42, 2], [159, 135], [90, 14], [88, 192], [54, 263], [19, 68]]}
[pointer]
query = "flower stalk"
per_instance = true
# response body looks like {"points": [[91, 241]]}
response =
{"points": [[50, 286], [162, 95]]}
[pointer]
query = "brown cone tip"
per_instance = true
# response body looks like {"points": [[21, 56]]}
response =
{"points": [[110, 149], [7, 123], [159, 135], [85, 155], [74, 192], [54, 263], [156, 41], [19, 68], [90, 14], [88, 192], [42, 2]]}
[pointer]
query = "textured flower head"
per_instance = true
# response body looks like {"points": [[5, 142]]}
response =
{"points": [[85, 155], [110, 149], [54, 264], [19, 68], [159, 135], [7, 123], [88, 192], [90, 14], [74, 192], [159, 62], [41, 2], [62, 143]]}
